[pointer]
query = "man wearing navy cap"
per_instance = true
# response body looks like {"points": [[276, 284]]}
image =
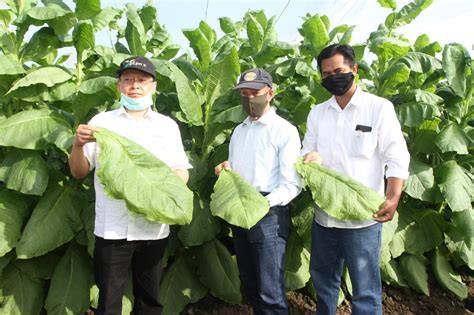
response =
{"points": [[263, 149], [125, 241]]}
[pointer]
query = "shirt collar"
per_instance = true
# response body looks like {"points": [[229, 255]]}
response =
{"points": [[266, 118], [122, 112], [356, 100]]}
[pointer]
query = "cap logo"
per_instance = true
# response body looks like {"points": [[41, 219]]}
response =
{"points": [[133, 62], [250, 76]]}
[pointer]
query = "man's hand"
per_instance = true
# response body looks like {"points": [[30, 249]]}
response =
{"points": [[312, 157], [388, 210], [224, 165], [84, 135]]}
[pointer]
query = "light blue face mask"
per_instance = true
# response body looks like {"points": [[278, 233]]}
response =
{"points": [[136, 103]]}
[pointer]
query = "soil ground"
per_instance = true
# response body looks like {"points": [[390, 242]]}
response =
{"points": [[396, 301]]}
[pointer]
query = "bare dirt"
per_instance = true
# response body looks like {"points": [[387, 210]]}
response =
{"points": [[396, 301]]}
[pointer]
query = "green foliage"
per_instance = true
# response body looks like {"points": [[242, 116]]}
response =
{"points": [[236, 201], [125, 165], [340, 196], [47, 217]]}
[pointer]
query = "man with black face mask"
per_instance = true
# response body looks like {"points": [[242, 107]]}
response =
{"points": [[263, 150], [357, 134]]}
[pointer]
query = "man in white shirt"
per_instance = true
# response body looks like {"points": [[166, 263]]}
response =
{"points": [[125, 241], [263, 149], [357, 134]]}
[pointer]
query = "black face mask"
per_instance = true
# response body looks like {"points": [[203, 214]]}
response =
{"points": [[339, 83]]}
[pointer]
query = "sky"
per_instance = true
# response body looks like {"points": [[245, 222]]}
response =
{"points": [[445, 21]]}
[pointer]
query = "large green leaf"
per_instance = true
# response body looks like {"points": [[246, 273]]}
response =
{"points": [[339, 195], [125, 165], [418, 231], [219, 272], [447, 277], [21, 294], [315, 33], [235, 114], [460, 236], [24, 171], [83, 37], [41, 267], [236, 201], [296, 263], [455, 185], [391, 79], [388, 47], [412, 114], [456, 64], [421, 182], [227, 25], [13, 212], [221, 78], [97, 84], [423, 96], [201, 47], [406, 14], [49, 12], [188, 99], [180, 286], [302, 217], [452, 138], [104, 18], [54, 222], [56, 14], [255, 33], [202, 228], [414, 271], [272, 52], [48, 75], [420, 62], [9, 66], [391, 273], [34, 129], [425, 136], [135, 31], [87, 9], [69, 289]]}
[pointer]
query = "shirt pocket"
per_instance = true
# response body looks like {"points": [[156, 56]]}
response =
{"points": [[363, 144]]}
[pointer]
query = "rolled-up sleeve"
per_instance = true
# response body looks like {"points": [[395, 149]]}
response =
{"points": [[392, 146]]}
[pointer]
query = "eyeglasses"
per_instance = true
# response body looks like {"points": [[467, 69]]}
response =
{"points": [[140, 82]]}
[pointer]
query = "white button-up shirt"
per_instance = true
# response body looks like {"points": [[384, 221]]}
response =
{"points": [[157, 133], [364, 156], [264, 153]]}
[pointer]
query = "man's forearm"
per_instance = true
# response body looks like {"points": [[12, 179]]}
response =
{"points": [[183, 174], [394, 188], [78, 164]]}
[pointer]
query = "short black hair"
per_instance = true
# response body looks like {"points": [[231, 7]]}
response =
{"points": [[342, 49]]}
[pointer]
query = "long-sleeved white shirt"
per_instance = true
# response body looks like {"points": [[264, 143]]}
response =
{"points": [[364, 156], [264, 153], [155, 132]]}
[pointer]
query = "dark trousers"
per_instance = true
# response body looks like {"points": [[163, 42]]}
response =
{"points": [[260, 256], [112, 261]]}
